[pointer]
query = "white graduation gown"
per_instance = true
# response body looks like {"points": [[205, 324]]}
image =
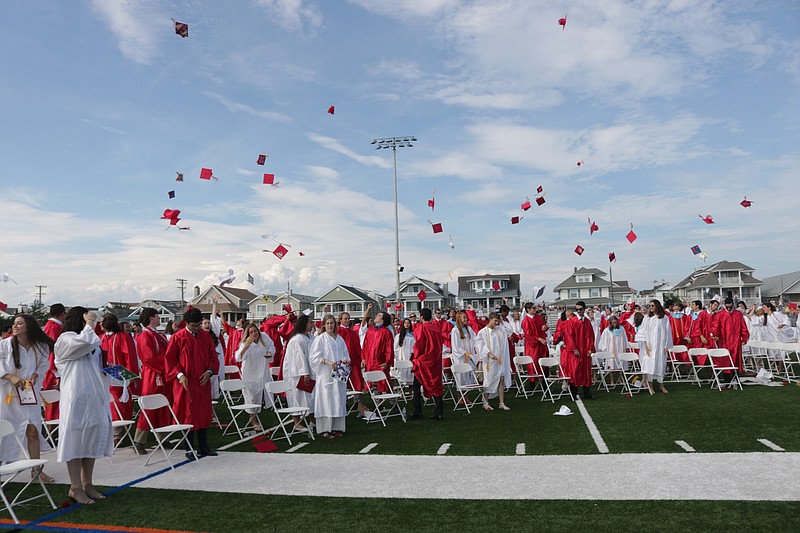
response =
{"points": [[658, 333], [33, 361], [296, 364], [330, 399], [84, 431], [616, 344], [255, 370], [216, 327], [463, 351], [494, 341], [403, 353]]}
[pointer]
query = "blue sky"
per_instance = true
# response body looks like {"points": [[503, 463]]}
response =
{"points": [[676, 108]]}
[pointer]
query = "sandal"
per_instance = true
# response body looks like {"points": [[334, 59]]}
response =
{"points": [[504, 407], [44, 477], [300, 427], [487, 407], [93, 493], [79, 497], [327, 435]]}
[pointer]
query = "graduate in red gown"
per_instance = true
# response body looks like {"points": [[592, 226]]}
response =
{"points": [[697, 333], [353, 344], [679, 323], [151, 347], [191, 360], [119, 349], [713, 316], [427, 360], [578, 348], [377, 351], [233, 340], [534, 330], [279, 328], [53, 328], [732, 332]]}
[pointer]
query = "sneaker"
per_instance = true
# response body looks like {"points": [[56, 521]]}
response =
{"points": [[207, 453]]}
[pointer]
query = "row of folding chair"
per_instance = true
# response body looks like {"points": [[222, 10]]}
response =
{"points": [[717, 361], [775, 357]]}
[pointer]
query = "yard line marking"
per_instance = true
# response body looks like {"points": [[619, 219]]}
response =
{"points": [[683, 444], [296, 447], [770, 444], [249, 437], [368, 448], [598, 439], [521, 448], [443, 449]]}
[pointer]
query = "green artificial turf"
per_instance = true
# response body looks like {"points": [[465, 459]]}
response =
{"points": [[219, 512]]}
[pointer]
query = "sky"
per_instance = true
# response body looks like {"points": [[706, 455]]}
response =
{"points": [[675, 109]]}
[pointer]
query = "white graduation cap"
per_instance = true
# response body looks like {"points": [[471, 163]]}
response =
{"points": [[308, 312], [224, 280], [5, 278], [563, 411], [764, 376]]}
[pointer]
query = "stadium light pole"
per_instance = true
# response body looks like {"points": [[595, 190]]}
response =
{"points": [[394, 143]]}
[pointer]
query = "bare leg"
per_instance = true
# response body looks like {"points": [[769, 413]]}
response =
{"points": [[32, 436], [76, 492], [501, 392], [486, 402], [87, 470]]}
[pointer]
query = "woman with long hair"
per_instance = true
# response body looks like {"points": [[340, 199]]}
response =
{"points": [[256, 350], [492, 347], [328, 352], [84, 433], [297, 367], [403, 348], [658, 335], [119, 348], [23, 363], [462, 343]]}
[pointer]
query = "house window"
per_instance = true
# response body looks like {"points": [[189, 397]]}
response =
{"points": [[594, 293], [261, 309], [208, 301], [729, 274], [583, 278], [573, 293]]}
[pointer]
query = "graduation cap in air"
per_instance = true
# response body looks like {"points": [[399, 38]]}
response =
{"points": [[3, 306], [612, 257], [422, 295], [745, 202], [708, 219], [171, 194], [181, 28], [398, 306], [301, 254], [227, 278], [451, 244], [287, 308], [280, 251], [696, 249], [540, 293], [580, 163], [592, 226], [540, 200], [331, 109], [515, 220], [179, 177], [631, 236], [269, 179], [539, 189], [437, 227], [432, 201], [184, 228], [207, 174], [173, 215], [526, 204], [579, 249], [388, 305], [563, 22], [250, 279], [262, 158], [496, 285]]}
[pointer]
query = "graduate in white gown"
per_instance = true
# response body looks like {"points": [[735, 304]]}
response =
{"points": [[84, 432], [658, 333], [297, 366], [492, 348], [403, 348], [615, 341], [462, 342], [24, 360], [330, 400], [255, 352], [213, 325]]}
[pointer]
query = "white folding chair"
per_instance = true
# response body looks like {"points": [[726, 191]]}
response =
{"points": [[401, 383], [600, 365], [373, 379], [352, 393], [447, 379], [466, 382], [285, 414], [162, 434], [521, 363], [722, 363], [678, 358], [50, 427], [695, 356], [789, 364], [15, 468], [631, 369], [228, 387], [233, 370], [756, 357], [122, 423], [275, 371], [550, 382]]}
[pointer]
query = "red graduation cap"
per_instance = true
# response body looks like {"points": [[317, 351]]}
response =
{"points": [[262, 158], [539, 189], [287, 308], [264, 444], [181, 29], [3, 306], [563, 23], [301, 254], [206, 174], [708, 219], [388, 305], [269, 179], [592, 227], [631, 236], [496, 285], [792, 306], [612, 257], [539, 200], [437, 227], [174, 221], [580, 163], [579, 249], [171, 213], [171, 194], [398, 306], [331, 110], [422, 295], [515, 220], [745, 202], [526, 204], [179, 177], [432, 201], [280, 251]]}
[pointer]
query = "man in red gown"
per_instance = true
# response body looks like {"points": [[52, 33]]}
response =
{"points": [[731, 330], [534, 330], [378, 348], [353, 344], [679, 323], [151, 347], [578, 348], [232, 342], [53, 329], [427, 360], [191, 361], [697, 331]]}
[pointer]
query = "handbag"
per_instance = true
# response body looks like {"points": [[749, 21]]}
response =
{"points": [[305, 387]]}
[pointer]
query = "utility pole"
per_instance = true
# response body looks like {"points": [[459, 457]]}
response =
{"points": [[182, 287], [39, 298]]}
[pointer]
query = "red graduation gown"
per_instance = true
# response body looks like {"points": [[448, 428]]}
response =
{"points": [[579, 336], [680, 328], [52, 329], [191, 356], [427, 358], [232, 344], [732, 332], [353, 344], [697, 327], [120, 349], [533, 329], [379, 349], [151, 347]]}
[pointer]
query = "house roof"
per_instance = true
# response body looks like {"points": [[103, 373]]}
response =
{"points": [[357, 295], [463, 281], [301, 298], [432, 288], [230, 303], [705, 277], [781, 284], [597, 280], [474, 295]]}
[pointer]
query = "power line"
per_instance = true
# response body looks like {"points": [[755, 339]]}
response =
{"points": [[39, 288], [182, 287]]}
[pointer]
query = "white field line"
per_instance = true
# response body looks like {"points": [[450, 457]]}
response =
{"points": [[296, 447], [683, 444], [521, 448], [771, 445], [598, 439], [443, 449], [368, 448], [232, 444]]}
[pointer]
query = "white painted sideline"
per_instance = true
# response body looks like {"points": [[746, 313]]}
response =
{"points": [[771, 445], [295, 447], [443, 449], [521, 448], [368, 448], [683, 444], [593, 431]]}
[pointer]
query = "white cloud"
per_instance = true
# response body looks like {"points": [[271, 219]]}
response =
{"points": [[333, 144], [406, 9], [138, 26], [237, 107], [294, 15], [325, 173]]}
